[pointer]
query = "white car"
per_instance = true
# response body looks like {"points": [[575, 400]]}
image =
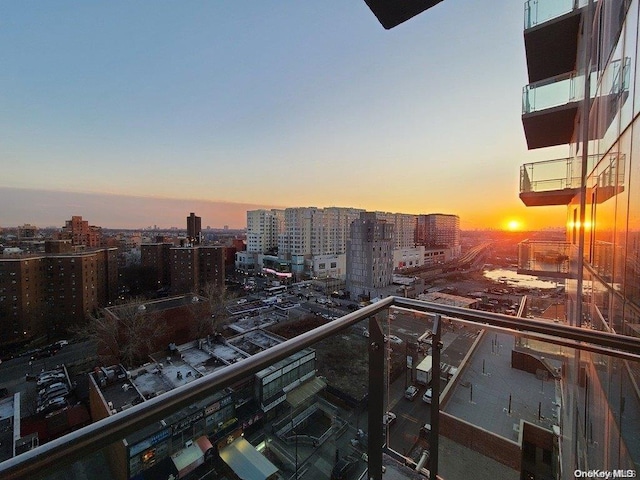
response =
{"points": [[427, 396], [394, 339]]}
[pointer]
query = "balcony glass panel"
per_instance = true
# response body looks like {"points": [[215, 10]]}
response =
{"points": [[540, 11], [550, 257], [551, 93], [514, 401], [550, 175]]}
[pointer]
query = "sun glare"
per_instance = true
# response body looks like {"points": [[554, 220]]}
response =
{"points": [[513, 225]]}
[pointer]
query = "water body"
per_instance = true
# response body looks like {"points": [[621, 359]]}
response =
{"points": [[513, 279]]}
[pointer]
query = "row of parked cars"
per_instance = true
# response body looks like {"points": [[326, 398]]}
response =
{"points": [[53, 390], [412, 392]]}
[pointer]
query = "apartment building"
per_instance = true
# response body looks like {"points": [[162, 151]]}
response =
{"points": [[184, 269], [581, 59], [81, 233], [331, 230], [404, 225], [263, 229], [369, 256], [194, 267], [157, 257], [27, 231], [194, 228], [437, 230], [47, 293], [309, 238]]}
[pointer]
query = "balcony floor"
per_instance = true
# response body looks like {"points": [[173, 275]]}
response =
{"points": [[551, 46], [549, 197], [551, 126]]}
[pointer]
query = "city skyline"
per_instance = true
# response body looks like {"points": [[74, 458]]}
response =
{"points": [[216, 106]]}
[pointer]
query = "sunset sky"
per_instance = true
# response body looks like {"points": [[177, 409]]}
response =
{"points": [[136, 113]]}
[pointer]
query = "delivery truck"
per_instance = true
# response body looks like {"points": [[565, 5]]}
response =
{"points": [[424, 371]]}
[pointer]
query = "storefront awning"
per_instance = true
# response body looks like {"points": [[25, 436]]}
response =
{"points": [[301, 393], [246, 462]]}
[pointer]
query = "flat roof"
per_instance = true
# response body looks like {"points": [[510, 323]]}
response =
{"points": [[246, 461], [284, 362], [446, 299], [486, 406], [151, 382]]}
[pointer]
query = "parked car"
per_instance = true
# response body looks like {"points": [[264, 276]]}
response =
{"points": [[45, 380], [50, 387], [427, 396], [52, 405], [394, 339], [42, 353], [56, 392], [411, 392]]}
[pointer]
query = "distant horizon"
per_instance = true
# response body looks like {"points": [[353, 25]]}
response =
{"points": [[51, 208]]}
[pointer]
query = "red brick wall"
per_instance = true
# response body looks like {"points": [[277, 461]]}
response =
{"points": [[486, 443]]}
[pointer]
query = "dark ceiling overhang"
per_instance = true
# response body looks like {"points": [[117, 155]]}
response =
{"points": [[391, 13]]}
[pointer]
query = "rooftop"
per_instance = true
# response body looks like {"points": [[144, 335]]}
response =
{"points": [[482, 391]]}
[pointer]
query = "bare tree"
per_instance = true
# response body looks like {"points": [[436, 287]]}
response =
{"points": [[126, 333], [216, 314]]}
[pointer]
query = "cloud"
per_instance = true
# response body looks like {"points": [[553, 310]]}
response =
{"points": [[49, 207]]}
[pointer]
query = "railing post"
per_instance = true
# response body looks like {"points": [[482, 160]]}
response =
{"points": [[435, 398], [376, 399]]}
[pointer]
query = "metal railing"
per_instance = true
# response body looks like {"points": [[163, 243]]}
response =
{"points": [[537, 12], [548, 175], [75, 445], [552, 92]]}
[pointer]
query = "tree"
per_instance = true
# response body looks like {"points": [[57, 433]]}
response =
{"points": [[126, 333], [216, 315]]}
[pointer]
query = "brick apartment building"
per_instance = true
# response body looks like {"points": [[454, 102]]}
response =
{"points": [[43, 294], [185, 269], [81, 233]]}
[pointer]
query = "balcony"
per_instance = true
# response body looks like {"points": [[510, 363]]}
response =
{"points": [[544, 258], [551, 182], [505, 387], [556, 182], [551, 29], [549, 106], [549, 109]]}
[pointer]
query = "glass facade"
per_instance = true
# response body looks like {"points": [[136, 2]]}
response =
{"points": [[602, 240]]}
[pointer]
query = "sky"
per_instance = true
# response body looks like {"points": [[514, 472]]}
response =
{"points": [[136, 113]]}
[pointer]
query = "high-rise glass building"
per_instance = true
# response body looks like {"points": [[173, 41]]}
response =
{"points": [[582, 61]]}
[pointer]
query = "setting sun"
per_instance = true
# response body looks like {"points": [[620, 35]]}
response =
{"points": [[513, 225]]}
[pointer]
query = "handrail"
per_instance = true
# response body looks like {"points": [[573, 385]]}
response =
{"points": [[100, 434]]}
